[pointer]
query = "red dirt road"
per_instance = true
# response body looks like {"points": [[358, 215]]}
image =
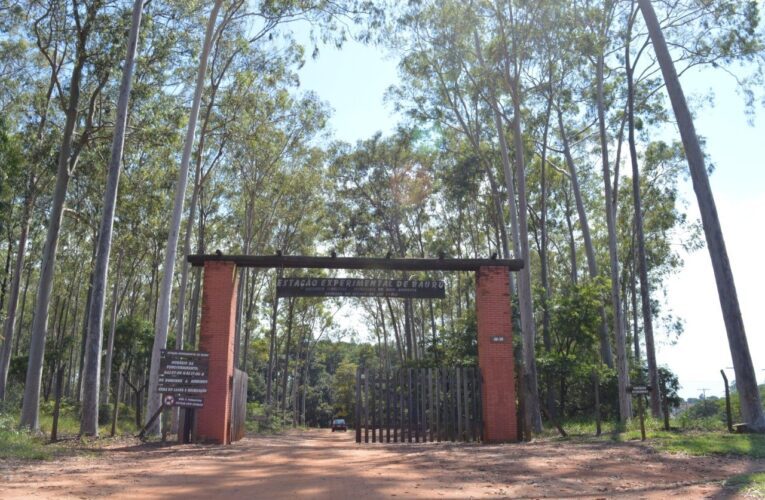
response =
{"points": [[320, 464]]}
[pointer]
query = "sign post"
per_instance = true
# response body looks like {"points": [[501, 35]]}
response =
{"points": [[640, 391], [183, 383]]}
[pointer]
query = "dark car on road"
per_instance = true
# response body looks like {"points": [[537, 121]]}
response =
{"points": [[338, 424]]}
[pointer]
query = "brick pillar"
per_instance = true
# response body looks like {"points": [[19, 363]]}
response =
{"points": [[495, 354], [217, 338]]}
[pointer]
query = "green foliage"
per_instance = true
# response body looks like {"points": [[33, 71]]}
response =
{"points": [[344, 393], [461, 345], [270, 179], [17, 444], [10, 173], [710, 413], [262, 420], [574, 359], [26, 445], [670, 385], [133, 339]]}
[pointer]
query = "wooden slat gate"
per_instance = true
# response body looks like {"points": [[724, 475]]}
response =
{"points": [[238, 405], [418, 405]]}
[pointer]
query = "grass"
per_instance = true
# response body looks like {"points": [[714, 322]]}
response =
{"points": [[20, 444], [24, 445], [712, 443], [701, 441], [748, 484]]}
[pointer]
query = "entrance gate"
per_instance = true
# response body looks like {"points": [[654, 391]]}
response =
{"points": [[495, 340], [418, 405]]}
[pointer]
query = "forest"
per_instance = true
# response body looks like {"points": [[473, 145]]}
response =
{"points": [[133, 134]]}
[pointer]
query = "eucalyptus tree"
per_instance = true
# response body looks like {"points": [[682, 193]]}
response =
{"points": [[568, 93], [284, 127], [381, 185], [91, 371], [163, 303], [55, 26], [514, 29], [444, 88], [746, 380], [331, 20], [595, 20], [11, 161], [711, 34], [454, 86]]}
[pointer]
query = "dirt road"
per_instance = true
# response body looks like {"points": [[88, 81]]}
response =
{"points": [[320, 464]]}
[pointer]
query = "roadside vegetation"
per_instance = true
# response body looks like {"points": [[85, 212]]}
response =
{"points": [[23, 444], [515, 122]]}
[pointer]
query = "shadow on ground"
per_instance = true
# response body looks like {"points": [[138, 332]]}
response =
{"points": [[320, 464]]}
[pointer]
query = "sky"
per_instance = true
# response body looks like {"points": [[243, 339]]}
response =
{"points": [[353, 80]]}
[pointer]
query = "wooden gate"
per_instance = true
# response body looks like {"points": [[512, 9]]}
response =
{"points": [[418, 405], [238, 405]]}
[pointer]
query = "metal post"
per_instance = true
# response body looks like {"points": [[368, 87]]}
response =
{"points": [[641, 412], [728, 413]]}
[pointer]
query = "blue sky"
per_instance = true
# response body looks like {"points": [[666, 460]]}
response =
{"points": [[353, 81]]}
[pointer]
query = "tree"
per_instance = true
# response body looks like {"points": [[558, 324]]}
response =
{"points": [[92, 368], [163, 300], [67, 161], [10, 159], [746, 380]]}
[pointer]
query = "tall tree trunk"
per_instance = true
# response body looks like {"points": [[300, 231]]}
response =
{"points": [[396, 331], [571, 242], [194, 312], [272, 345], [163, 304], [589, 250], [285, 373], [622, 370], [247, 321], [70, 364], [13, 299], [239, 311], [92, 368], [492, 101], [31, 406], [84, 333], [635, 331], [107, 375], [519, 231], [525, 298], [17, 343], [645, 298], [411, 352], [746, 380], [547, 341], [7, 269], [181, 309]]}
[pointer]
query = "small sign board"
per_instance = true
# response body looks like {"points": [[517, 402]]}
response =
{"points": [[639, 389], [499, 339], [360, 287], [183, 372], [183, 401]]}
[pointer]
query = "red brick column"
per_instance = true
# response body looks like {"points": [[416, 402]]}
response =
{"points": [[217, 338], [495, 354]]}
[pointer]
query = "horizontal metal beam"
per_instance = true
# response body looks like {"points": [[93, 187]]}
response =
{"points": [[304, 262]]}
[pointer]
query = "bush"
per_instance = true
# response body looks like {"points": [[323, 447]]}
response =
{"points": [[263, 419], [15, 443]]}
